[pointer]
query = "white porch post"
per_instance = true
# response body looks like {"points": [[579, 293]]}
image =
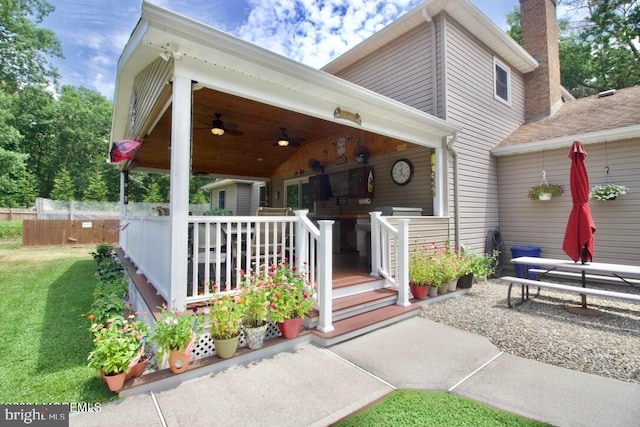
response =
{"points": [[403, 260], [375, 243], [123, 208], [179, 188], [325, 260]]}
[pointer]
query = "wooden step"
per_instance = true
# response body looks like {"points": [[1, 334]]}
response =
{"points": [[364, 323]]}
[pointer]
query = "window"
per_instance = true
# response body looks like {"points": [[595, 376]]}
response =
{"points": [[298, 194], [262, 196], [221, 195], [501, 82]]}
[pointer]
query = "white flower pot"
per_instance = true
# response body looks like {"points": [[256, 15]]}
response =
{"points": [[544, 196]]}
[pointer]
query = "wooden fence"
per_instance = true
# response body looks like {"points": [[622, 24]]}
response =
{"points": [[59, 232], [13, 214]]}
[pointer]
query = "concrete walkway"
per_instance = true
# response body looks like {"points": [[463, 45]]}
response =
{"points": [[311, 386]]}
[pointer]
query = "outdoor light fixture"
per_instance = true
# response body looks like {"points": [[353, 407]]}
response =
{"points": [[283, 141], [217, 127]]}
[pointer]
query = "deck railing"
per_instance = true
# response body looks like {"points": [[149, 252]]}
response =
{"points": [[390, 254], [223, 248]]}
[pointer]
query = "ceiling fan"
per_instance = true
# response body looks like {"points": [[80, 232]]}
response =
{"points": [[284, 140], [219, 128]]}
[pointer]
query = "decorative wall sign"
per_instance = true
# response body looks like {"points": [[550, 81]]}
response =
{"points": [[341, 145], [339, 113]]}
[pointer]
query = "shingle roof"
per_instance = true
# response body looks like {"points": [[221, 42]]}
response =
{"points": [[583, 115]]}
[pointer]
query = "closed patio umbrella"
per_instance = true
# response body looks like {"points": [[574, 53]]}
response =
{"points": [[578, 237]]}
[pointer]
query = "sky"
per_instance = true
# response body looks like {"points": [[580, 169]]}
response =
{"points": [[93, 33]]}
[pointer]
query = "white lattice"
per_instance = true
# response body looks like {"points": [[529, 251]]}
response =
{"points": [[205, 347]]}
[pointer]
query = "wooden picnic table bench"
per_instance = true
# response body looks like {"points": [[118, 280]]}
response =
{"points": [[525, 283]]}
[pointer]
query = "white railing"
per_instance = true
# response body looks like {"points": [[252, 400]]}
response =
{"points": [[390, 254], [147, 243], [223, 248]]}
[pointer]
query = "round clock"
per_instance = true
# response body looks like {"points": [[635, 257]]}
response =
{"points": [[402, 172]]}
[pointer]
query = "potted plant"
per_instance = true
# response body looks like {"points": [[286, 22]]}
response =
{"points": [[291, 297], [116, 344], [255, 298], [545, 191], [175, 334], [478, 267], [607, 192], [226, 314]]}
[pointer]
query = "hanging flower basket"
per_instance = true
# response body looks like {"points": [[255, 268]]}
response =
{"points": [[545, 191], [607, 192]]}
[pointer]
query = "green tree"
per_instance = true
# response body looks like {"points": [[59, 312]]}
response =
{"points": [[28, 190], [13, 175], [83, 123], [10, 137], [97, 189], [63, 187], [153, 193], [33, 111], [25, 49]]}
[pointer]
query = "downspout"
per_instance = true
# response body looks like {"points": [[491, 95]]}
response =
{"points": [[434, 63], [456, 197]]}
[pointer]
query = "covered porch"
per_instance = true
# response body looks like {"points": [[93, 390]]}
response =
{"points": [[178, 79]]}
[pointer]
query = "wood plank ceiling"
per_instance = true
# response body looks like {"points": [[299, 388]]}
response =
{"points": [[248, 147]]}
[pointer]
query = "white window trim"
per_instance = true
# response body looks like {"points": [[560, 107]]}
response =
{"points": [[501, 64]]}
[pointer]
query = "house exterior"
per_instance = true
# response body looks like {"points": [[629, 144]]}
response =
{"points": [[240, 197], [442, 92]]}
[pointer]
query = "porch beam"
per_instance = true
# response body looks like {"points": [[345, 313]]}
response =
{"points": [[179, 189]]}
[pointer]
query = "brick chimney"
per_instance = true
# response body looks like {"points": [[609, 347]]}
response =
{"points": [[540, 39]]}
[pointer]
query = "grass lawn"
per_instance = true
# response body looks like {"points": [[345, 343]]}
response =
{"points": [[422, 408], [44, 338]]}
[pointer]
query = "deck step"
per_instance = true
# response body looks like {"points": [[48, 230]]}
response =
{"points": [[364, 323], [353, 305]]}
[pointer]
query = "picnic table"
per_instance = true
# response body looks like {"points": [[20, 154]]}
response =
{"points": [[592, 271]]}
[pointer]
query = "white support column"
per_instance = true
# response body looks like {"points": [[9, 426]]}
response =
{"points": [[402, 281], [123, 208], [179, 188], [302, 261], [375, 243], [325, 260]]}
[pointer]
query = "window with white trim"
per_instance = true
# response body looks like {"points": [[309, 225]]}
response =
{"points": [[501, 81], [221, 197]]}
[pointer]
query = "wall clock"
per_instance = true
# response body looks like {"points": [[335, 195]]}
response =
{"points": [[402, 172]]}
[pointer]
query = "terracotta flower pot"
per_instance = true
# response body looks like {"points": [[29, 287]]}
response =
{"points": [[418, 291], [114, 382], [138, 369], [290, 328], [178, 362]]}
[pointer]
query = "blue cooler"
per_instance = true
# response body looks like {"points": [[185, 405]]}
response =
{"points": [[532, 251]]}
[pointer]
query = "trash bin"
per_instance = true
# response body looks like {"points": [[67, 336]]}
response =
{"points": [[532, 251]]}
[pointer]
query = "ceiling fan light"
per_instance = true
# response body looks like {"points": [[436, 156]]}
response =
{"points": [[217, 127], [217, 131], [282, 142]]}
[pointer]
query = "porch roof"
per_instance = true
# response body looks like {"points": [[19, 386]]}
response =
{"points": [[257, 91]]}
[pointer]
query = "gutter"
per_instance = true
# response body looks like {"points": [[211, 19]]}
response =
{"points": [[434, 71], [456, 197]]}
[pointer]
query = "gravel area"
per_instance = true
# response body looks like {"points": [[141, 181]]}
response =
{"points": [[543, 330]]}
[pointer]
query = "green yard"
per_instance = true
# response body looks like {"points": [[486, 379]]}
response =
{"points": [[44, 337]]}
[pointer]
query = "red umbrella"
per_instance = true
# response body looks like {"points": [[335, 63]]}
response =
{"points": [[578, 237]]}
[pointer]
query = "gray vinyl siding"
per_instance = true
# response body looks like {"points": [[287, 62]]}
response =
{"points": [[543, 224], [255, 196], [470, 103], [243, 200], [401, 70], [148, 86]]}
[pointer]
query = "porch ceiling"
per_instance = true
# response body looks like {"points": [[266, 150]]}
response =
{"points": [[253, 129]]}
